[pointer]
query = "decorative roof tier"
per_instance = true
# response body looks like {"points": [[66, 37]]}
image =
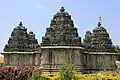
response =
{"points": [[61, 31], [87, 40], [99, 40], [21, 41]]}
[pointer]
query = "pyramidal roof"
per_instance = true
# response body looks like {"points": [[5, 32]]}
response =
{"points": [[61, 31], [21, 41], [99, 40]]}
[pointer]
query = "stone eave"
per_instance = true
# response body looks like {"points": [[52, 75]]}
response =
{"points": [[20, 52], [101, 53], [61, 47]]}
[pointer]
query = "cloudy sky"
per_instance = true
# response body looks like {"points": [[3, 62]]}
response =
{"points": [[36, 16]]}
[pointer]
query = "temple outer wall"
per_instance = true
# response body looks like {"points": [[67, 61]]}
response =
{"points": [[51, 59], [22, 58], [99, 61], [55, 56]]}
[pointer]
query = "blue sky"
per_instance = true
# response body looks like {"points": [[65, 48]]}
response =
{"points": [[36, 16]]}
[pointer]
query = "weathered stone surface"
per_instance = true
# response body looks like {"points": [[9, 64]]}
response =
{"points": [[98, 61], [33, 43], [61, 31], [54, 57], [98, 40], [22, 58], [87, 40], [21, 41]]}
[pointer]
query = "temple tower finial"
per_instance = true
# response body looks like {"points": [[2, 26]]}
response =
{"points": [[20, 24], [100, 18], [62, 9], [99, 21]]}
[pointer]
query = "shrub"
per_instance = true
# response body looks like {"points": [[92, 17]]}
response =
{"points": [[67, 72], [16, 72]]}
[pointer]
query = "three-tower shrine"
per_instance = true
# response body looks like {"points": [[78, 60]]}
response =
{"points": [[61, 43]]}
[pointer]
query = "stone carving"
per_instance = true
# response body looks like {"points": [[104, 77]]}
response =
{"points": [[21, 41], [61, 31], [20, 24], [33, 43], [87, 40], [99, 40]]}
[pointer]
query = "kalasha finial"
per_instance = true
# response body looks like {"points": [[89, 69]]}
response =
{"points": [[20, 24], [99, 22], [100, 19], [62, 9]]}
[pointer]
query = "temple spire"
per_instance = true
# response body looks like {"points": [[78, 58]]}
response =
{"points": [[21, 41], [99, 21], [61, 31]]}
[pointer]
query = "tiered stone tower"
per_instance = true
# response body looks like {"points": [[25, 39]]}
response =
{"points": [[98, 40], [101, 54], [61, 43], [21, 41], [61, 31], [101, 41], [22, 48], [87, 40]]}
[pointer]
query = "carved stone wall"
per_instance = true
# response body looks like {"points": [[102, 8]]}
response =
{"points": [[52, 58], [99, 61], [55, 56], [22, 58]]}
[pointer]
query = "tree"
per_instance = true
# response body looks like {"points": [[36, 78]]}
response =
{"points": [[117, 49]]}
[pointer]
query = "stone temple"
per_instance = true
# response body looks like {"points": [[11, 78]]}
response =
{"points": [[61, 43]]}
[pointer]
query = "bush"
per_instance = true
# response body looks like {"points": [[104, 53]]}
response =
{"points": [[67, 72], [16, 73]]}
